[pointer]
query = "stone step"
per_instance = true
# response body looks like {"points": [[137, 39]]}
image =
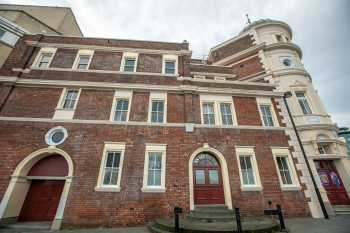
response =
{"points": [[342, 209], [210, 217], [252, 225], [210, 207]]}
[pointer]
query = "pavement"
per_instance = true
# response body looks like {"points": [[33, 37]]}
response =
{"points": [[338, 224]]}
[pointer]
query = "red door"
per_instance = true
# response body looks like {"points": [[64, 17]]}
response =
{"points": [[208, 188], [332, 183], [41, 201]]}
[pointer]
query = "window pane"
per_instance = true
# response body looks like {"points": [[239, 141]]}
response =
{"points": [[155, 160], [45, 60], [129, 64], [247, 170], [83, 62], [170, 67], [121, 110], [213, 177], [70, 99], [111, 168], [266, 115], [200, 177], [208, 113], [284, 170], [157, 114], [226, 114], [107, 178], [303, 103]]}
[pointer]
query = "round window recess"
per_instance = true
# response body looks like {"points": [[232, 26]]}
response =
{"points": [[56, 136], [287, 62]]}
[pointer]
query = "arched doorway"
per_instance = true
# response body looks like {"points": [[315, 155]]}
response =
{"points": [[208, 186], [40, 183], [47, 178]]}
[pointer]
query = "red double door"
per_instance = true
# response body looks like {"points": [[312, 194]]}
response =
{"points": [[208, 187], [42, 200], [332, 182]]}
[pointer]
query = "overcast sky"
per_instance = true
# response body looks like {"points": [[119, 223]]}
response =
{"points": [[321, 29]]}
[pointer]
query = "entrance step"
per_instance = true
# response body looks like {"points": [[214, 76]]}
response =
{"points": [[29, 227], [211, 214], [342, 209], [251, 225]]}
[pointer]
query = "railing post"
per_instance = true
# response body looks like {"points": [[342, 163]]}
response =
{"points": [[238, 220], [177, 211], [280, 217]]}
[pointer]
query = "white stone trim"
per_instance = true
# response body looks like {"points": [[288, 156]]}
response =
{"points": [[213, 74], [217, 100], [60, 112], [129, 55], [163, 96], [284, 152], [16, 191], [170, 57], [267, 101], [152, 147], [106, 48], [39, 55], [224, 174], [121, 94], [86, 52], [108, 147], [240, 151]]}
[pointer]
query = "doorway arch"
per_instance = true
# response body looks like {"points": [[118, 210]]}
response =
{"points": [[20, 182], [224, 172]]}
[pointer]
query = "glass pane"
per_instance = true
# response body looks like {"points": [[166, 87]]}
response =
{"points": [[84, 59], [107, 178], [110, 158], [200, 177], [155, 160], [120, 116], [226, 114], [170, 67], [129, 64], [213, 177], [114, 176], [157, 177], [205, 159], [251, 178]]}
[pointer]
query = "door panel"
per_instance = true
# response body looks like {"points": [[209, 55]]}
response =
{"points": [[332, 182], [208, 188], [41, 201]]}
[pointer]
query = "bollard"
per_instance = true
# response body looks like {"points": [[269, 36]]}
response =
{"points": [[280, 217], [238, 220], [177, 211]]}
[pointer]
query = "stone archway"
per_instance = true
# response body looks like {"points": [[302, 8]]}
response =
{"points": [[224, 171], [17, 189]]}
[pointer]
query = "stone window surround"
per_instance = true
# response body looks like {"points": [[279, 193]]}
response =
{"points": [[157, 96], [60, 112], [82, 52], [121, 94], [247, 150], [267, 101], [284, 152], [217, 100], [151, 147], [129, 55], [108, 147], [41, 52], [169, 57]]}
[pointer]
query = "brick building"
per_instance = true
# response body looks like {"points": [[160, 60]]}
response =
{"points": [[118, 132]]}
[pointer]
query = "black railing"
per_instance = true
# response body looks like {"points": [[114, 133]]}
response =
{"points": [[279, 213], [238, 220]]}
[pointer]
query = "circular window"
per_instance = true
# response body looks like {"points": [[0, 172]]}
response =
{"points": [[287, 62], [56, 136]]}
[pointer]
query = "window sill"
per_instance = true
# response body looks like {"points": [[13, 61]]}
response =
{"points": [[251, 188], [107, 189], [153, 190], [67, 110], [290, 188]]}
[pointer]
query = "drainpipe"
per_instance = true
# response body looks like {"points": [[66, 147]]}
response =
{"points": [[320, 200]]}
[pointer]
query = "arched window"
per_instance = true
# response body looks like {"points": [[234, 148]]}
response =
{"points": [[205, 160]]}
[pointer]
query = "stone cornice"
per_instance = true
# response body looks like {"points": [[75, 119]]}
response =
{"points": [[106, 48], [137, 86], [284, 45]]}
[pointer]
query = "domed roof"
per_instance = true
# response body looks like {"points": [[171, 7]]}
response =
{"points": [[262, 22]]}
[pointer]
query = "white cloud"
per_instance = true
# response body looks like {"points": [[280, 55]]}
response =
{"points": [[320, 29]]}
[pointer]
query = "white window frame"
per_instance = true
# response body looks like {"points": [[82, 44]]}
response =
{"points": [[110, 147], [157, 96], [158, 148], [170, 57], [217, 100], [284, 152], [307, 100], [83, 52], [39, 56], [267, 101], [120, 94], [63, 96], [219, 78], [129, 55], [248, 151]]}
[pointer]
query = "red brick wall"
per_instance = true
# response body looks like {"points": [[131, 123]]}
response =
{"points": [[130, 206], [149, 63], [94, 105], [139, 106], [247, 111], [248, 67], [175, 108], [103, 60], [64, 58], [32, 102]]}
